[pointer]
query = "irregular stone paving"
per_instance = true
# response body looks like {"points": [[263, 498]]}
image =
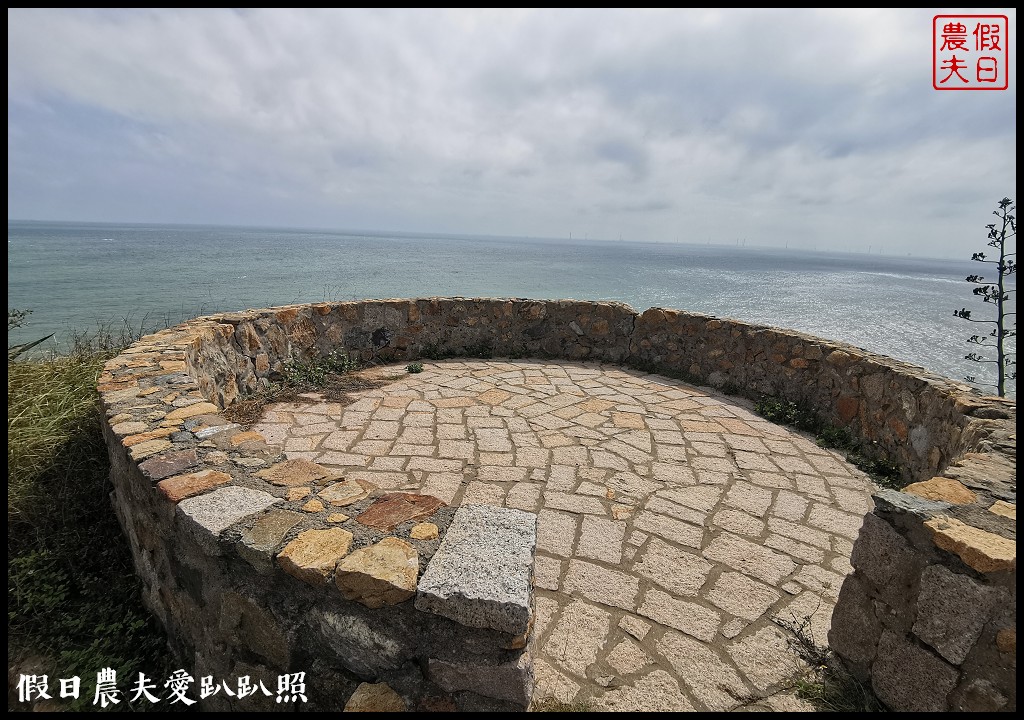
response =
{"points": [[676, 527]]}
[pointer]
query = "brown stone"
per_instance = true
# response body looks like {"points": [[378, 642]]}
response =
{"points": [[259, 543], [248, 436], [1006, 641], [983, 551], [298, 493], [494, 396], [174, 463], [180, 487], [394, 509], [943, 490], [337, 517], [124, 385], [423, 531], [294, 472], [188, 411], [377, 697], [287, 315], [381, 574], [1001, 507], [313, 506], [847, 408], [150, 447], [839, 358], [143, 437], [312, 556], [347, 492]]}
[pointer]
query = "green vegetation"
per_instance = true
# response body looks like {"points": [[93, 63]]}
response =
{"points": [[884, 472], [74, 604], [831, 687], [550, 704], [16, 318], [998, 295], [331, 376], [318, 372], [414, 368]]}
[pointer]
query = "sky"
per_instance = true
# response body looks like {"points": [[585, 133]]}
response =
{"points": [[817, 129]]}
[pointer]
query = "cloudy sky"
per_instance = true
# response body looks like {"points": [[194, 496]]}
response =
{"points": [[813, 128]]}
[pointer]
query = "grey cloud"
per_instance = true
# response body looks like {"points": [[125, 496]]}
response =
{"points": [[470, 121]]}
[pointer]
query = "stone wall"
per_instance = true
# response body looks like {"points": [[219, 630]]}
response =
{"points": [[237, 575]]}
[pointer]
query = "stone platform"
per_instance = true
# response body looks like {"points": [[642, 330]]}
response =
{"points": [[678, 532], [677, 535]]}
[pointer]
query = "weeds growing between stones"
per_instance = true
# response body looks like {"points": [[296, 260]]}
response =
{"points": [[884, 472], [830, 687]]}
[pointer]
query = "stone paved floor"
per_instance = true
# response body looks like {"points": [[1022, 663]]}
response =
{"points": [[676, 527]]}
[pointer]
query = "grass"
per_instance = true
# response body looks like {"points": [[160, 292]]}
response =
{"points": [[831, 687], [550, 704], [74, 602], [331, 376], [883, 471]]}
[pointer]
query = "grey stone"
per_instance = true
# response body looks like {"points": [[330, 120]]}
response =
{"points": [[919, 440], [951, 611], [657, 691], [766, 659], [886, 561], [711, 680], [512, 680], [578, 637], [908, 678], [691, 618], [168, 464], [679, 571], [205, 517], [553, 685], [750, 558], [892, 500], [597, 583], [741, 596], [482, 573], [216, 429], [259, 543], [251, 626], [855, 629], [364, 648], [979, 696]]}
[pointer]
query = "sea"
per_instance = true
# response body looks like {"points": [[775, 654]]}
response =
{"points": [[77, 277]]}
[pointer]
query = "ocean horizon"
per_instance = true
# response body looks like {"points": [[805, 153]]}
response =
{"points": [[75, 277]]}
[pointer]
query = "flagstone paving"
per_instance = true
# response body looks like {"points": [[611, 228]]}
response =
{"points": [[676, 528]]}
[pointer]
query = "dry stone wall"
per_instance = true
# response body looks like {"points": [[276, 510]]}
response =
{"points": [[246, 584]]}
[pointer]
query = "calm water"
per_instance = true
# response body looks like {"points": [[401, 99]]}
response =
{"points": [[76, 276]]}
